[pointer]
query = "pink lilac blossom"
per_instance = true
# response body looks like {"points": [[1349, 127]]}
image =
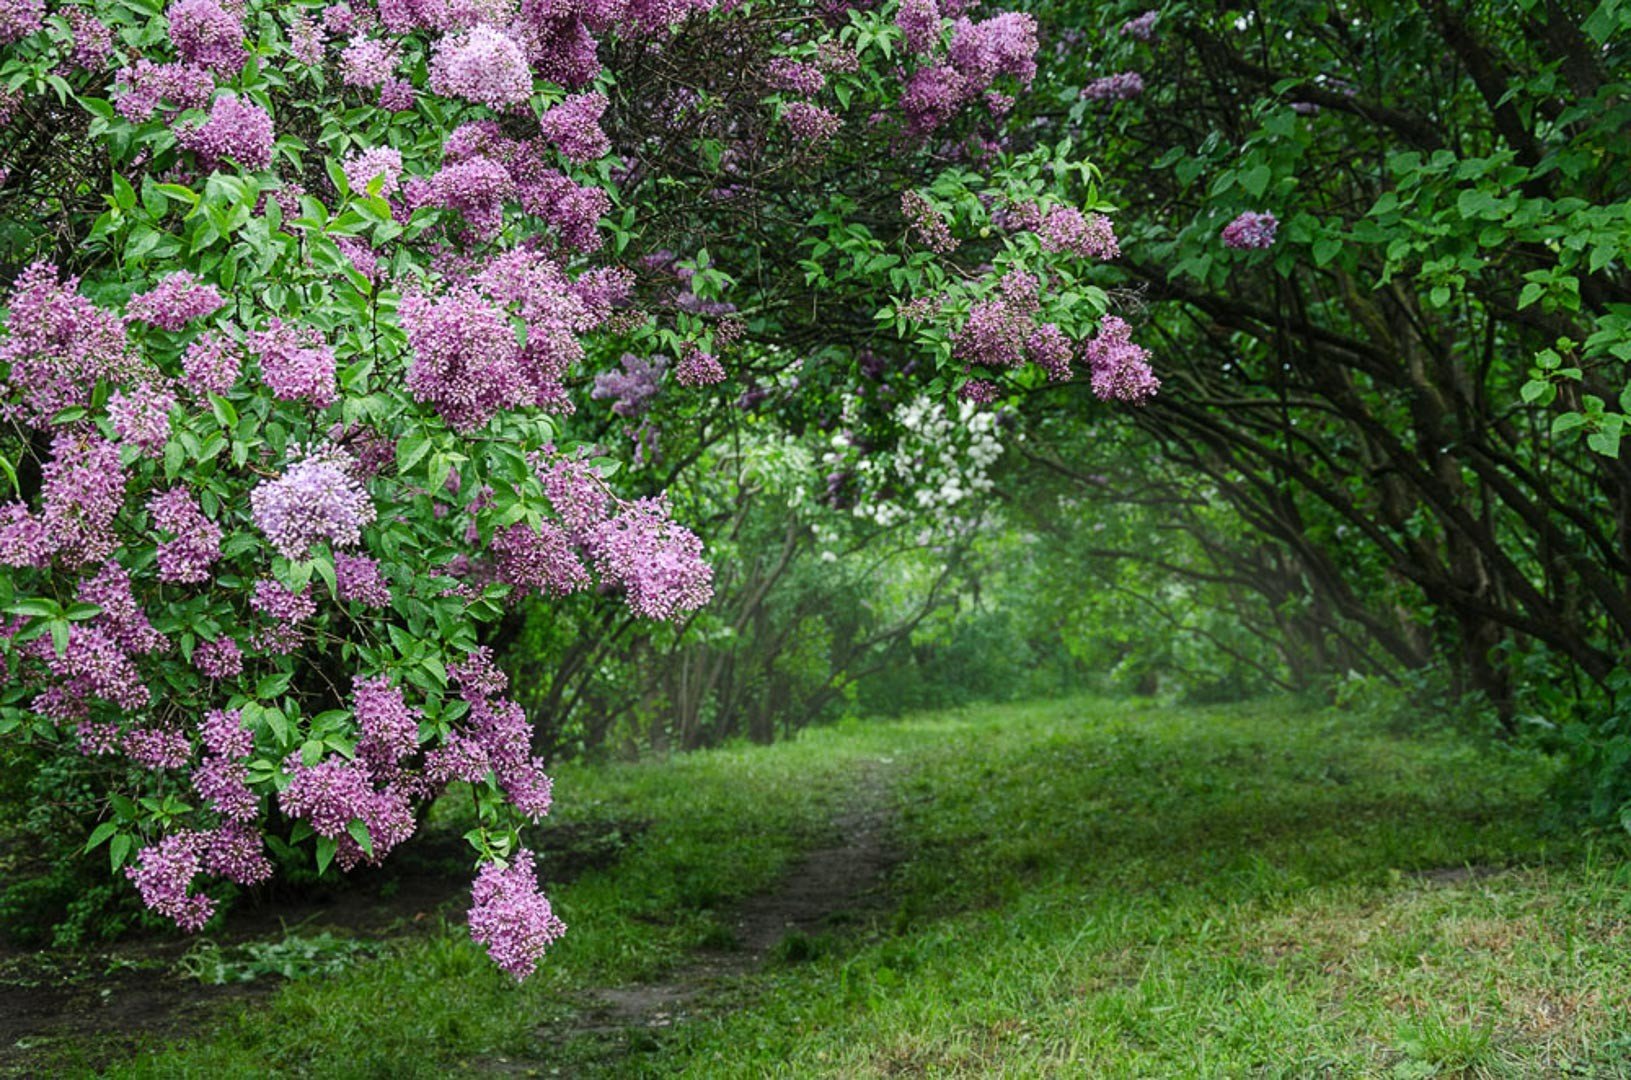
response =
{"points": [[357, 578], [82, 492], [389, 729], [208, 34], [654, 559], [500, 726], [396, 95], [24, 540], [1088, 236], [1250, 231], [20, 18], [295, 363], [318, 498], [979, 391], [342, 19], [380, 162], [601, 291], [305, 39], [631, 389], [538, 559], [278, 603], [141, 417], [785, 73], [993, 336], [59, 346], [234, 851], [235, 130], [157, 748], [933, 95], [510, 917], [93, 41], [195, 540], [835, 56], [697, 368], [175, 301], [1141, 28], [1122, 86], [162, 874], [572, 210], [145, 86], [1004, 44], [477, 189], [482, 64], [210, 365], [574, 127], [1050, 349], [926, 223], [1120, 369], [93, 665], [575, 491], [121, 616], [919, 24], [367, 62], [810, 122], [219, 659], [328, 795], [467, 361]]}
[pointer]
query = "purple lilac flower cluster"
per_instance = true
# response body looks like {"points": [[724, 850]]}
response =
{"points": [[1251, 231], [1120, 369], [511, 917], [318, 498], [632, 388]]}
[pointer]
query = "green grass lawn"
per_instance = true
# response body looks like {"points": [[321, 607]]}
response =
{"points": [[1087, 888]]}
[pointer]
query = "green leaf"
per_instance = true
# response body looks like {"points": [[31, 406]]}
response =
{"points": [[359, 833], [119, 850], [326, 847], [1256, 180], [100, 834], [410, 451]]}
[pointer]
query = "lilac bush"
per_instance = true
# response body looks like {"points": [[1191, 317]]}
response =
{"points": [[288, 418]]}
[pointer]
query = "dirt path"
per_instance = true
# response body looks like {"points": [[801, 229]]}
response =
{"points": [[830, 890]]}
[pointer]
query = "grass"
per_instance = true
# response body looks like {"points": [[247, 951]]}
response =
{"points": [[1087, 888]]}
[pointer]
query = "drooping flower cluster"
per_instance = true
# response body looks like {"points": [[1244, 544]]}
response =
{"points": [[1120, 369], [318, 498], [1251, 231], [58, 347], [511, 917], [206, 33], [367, 62], [295, 363], [482, 64], [785, 73], [631, 389], [141, 416], [382, 163], [1142, 28], [357, 579], [657, 561], [979, 53], [82, 492], [195, 540], [235, 130], [220, 659], [468, 363], [574, 127], [210, 365], [222, 775], [145, 86], [926, 223], [1088, 236], [1122, 86], [175, 301], [697, 368]]}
